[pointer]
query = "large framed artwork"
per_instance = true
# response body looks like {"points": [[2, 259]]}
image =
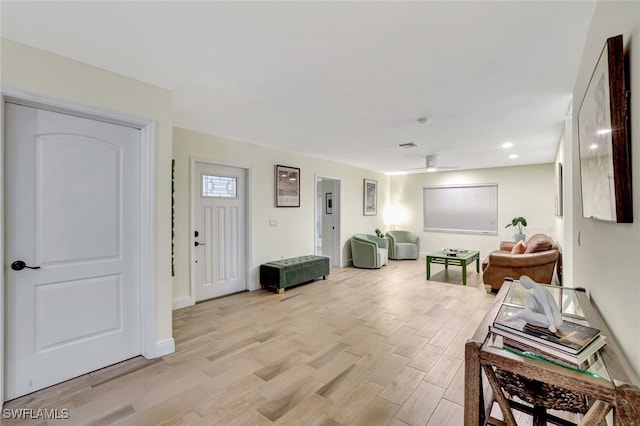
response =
{"points": [[287, 186], [370, 196], [605, 153]]}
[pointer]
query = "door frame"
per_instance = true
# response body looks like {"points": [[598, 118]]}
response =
{"points": [[337, 240], [146, 219], [249, 283]]}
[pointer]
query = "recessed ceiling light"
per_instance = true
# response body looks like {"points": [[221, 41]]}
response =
{"points": [[513, 156], [507, 145], [593, 146]]}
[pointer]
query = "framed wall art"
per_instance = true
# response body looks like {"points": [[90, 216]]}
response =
{"points": [[329, 203], [370, 196], [287, 186], [559, 185], [605, 148]]}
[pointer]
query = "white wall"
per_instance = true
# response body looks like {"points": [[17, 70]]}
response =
{"points": [[294, 235], [607, 260], [522, 191], [563, 224]]}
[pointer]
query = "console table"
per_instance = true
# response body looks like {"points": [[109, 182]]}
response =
{"points": [[611, 389]]}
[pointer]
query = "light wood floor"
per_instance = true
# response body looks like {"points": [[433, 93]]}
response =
{"points": [[364, 347]]}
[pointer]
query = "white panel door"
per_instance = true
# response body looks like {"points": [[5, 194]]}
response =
{"points": [[219, 230], [72, 211]]}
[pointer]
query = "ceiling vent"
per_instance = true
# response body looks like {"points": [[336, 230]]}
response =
{"points": [[407, 145]]}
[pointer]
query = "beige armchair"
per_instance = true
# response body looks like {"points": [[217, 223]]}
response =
{"points": [[538, 261]]}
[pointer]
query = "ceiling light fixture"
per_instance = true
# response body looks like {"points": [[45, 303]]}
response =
{"points": [[507, 145], [513, 156], [407, 145], [593, 146]]}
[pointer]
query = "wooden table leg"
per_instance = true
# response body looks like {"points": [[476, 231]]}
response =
{"points": [[428, 267], [473, 400], [499, 395]]}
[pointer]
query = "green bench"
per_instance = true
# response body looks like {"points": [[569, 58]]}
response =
{"points": [[280, 274]]}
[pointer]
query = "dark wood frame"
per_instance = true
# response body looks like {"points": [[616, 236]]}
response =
{"points": [[287, 193], [619, 137], [559, 188]]}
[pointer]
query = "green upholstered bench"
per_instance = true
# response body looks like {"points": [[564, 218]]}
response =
{"points": [[280, 274]]}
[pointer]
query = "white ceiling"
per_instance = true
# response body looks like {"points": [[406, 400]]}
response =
{"points": [[340, 80]]}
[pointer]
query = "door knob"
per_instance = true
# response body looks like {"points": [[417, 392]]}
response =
{"points": [[198, 244], [19, 265]]}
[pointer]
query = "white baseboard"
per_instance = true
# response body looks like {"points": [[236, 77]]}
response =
{"points": [[183, 302], [163, 347]]}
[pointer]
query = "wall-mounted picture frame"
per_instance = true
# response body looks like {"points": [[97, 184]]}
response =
{"points": [[287, 186], [328, 203], [370, 197], [604, 136], [559, 185]]}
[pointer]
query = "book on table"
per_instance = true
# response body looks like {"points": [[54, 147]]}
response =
{"points": [[524, 344], [570, 337]]}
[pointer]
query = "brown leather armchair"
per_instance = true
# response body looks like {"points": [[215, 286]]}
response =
{"points": [[538, 262]]}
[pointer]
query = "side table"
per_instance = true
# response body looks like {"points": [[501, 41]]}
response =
{"points": [[486, 364]]}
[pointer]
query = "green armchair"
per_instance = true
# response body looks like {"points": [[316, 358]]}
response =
{"points": [[369, 251], [403, 245]]}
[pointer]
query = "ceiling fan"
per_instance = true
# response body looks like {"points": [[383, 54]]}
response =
{"points": [[431, 165]]}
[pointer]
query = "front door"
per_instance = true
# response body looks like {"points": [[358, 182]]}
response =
{"points": [[219, 230], [72, 243]]}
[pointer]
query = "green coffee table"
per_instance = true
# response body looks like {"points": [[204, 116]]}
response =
{"points": [[460, 258]]}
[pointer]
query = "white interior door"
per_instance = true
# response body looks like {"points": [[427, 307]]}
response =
{"points": [[73, 212], [219, 230]]}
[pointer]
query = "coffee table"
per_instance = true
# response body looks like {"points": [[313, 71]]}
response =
{"points": [[459, 258]]}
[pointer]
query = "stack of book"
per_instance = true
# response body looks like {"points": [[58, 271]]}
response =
{"points": [[572, 343]]}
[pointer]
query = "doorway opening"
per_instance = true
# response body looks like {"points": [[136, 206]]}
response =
{"points": [[327, 223]]}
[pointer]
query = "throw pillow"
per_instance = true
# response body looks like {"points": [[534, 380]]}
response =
{"points": [[519, 248], [539, 242]]}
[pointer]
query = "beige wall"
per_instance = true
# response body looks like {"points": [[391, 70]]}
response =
{"points": [[522, 191], [40, 72], [607, 259], [294, 235]]}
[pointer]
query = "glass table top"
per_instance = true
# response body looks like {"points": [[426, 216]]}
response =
{"points": [[571, 310]]}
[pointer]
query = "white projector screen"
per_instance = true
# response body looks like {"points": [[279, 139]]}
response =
{"points": [[469, 209]]}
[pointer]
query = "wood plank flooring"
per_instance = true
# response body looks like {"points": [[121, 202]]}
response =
{"points": [[364, 347]]}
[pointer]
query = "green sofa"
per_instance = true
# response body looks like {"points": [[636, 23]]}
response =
{"points": [[403, 245], [369, 251], [280, 274]]}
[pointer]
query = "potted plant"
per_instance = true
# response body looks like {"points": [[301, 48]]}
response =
{"points": [[518, 222]]}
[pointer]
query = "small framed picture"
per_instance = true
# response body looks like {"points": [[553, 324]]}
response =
{"points": [[329, 203], [287, 186], [370, 195]]}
